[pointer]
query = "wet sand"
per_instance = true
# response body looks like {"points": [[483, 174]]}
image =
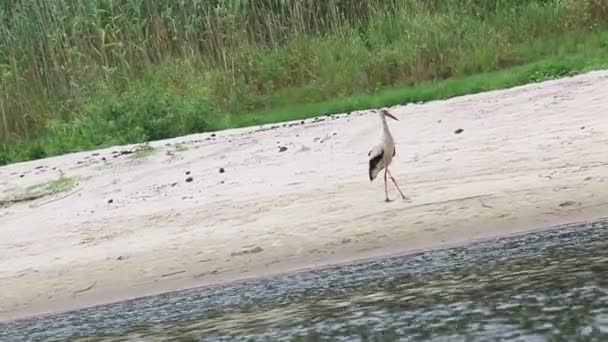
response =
{"points": [[539, 286], [134, 224]]}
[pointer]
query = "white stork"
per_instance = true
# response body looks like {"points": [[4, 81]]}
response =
{"points": [[382, 154]]}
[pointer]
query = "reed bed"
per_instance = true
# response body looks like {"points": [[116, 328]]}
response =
{"points": [[76, 75]]}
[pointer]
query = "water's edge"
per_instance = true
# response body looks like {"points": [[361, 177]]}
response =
{"points": [[549, 283]]}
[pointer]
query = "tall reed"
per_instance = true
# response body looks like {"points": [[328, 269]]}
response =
{"points": [[57, 58]]}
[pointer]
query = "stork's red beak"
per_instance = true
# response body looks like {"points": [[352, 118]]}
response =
{"points": [[390, 116]]}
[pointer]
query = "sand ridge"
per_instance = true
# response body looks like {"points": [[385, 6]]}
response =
{"points": [[295, 195]]}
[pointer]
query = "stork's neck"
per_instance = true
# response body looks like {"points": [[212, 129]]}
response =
{"points": [[386, 131]]}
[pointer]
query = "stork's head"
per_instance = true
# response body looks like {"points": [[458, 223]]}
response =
{"points": [[385, 113]]}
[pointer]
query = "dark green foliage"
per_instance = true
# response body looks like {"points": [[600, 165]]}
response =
{"points": [[125, 71]]}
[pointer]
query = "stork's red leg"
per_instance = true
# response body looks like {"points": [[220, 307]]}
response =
{"points": [[386, 186], [393, 179]]}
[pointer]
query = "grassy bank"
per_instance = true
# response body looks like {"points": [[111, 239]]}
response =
{"points": [[77, 76]]}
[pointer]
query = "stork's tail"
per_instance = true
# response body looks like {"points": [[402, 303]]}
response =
{"points": [[375, 166]]}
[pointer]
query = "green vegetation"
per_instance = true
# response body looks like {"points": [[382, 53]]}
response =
{"points": [[79, 75], [142, 151], [37, 191]]}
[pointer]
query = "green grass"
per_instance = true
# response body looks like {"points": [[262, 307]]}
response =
{"points": [[37, 191], [143, 151], [534, 72], [125, 72]]}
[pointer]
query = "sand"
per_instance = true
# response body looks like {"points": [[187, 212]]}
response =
{"points": [[526, 158]]}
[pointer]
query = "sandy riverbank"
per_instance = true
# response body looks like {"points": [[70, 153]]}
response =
{"points": [[528, 157]]}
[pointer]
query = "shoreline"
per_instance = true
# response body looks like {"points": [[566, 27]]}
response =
{"points": [[528, 158], [114, 297]]}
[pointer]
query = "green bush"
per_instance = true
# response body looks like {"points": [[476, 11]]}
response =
{"points": [[141, 111], [3, 156]]}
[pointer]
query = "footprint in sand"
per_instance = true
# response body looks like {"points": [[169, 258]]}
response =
{"points": [[253, 250], [569, 204]]}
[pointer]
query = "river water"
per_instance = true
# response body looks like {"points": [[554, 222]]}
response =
{"points": [[544, 286]]}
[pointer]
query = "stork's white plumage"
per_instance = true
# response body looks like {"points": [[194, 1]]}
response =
{"points": [[381, 156]]}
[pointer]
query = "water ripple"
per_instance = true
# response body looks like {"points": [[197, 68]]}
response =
{"points": [[551, 285]]}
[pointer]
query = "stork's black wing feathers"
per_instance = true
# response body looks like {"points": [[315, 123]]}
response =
{"points": [[394, 151], [373, 162]]}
